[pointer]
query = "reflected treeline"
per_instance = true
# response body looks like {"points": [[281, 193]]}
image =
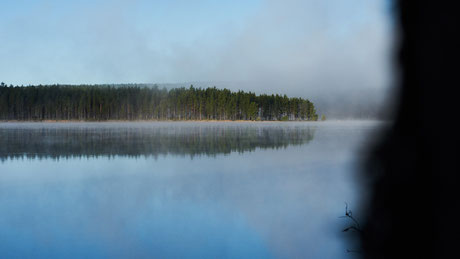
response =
{"points": [[138, 139]]}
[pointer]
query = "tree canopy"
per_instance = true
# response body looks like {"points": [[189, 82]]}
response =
{"points": [[137, 102]]}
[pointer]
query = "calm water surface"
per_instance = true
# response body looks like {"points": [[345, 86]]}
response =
{"points": [[178, 190]]}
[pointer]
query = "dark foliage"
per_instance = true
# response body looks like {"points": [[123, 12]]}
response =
{"points": [[132, 102], [414, 171]]}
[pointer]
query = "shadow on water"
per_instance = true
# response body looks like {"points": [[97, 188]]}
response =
{"points": [[68, 140]]}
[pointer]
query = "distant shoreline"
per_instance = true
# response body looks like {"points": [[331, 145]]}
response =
{"points": [[103, 121], [126, 103]]}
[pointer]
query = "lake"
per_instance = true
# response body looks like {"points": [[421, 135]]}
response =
{"points": [[179, 189]]}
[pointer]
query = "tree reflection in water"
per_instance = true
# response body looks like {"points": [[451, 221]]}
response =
{"points": [[67, 140]]}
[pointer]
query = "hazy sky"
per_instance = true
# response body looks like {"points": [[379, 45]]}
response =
{"points": [[292, 46]]}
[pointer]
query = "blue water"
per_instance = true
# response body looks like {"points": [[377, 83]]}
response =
{"points": [[178, 190]]}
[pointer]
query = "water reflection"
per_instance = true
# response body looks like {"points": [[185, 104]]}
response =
{"points": [[66, 140], [281, 201]]}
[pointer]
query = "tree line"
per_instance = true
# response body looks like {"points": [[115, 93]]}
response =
{"points": [[137, 102]]}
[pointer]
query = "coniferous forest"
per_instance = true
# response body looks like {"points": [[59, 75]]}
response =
{"points": [[139, 102]]}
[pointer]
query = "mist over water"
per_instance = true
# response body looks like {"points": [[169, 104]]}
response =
{"points": [[335, 53], [189, 189], [254, 190], [145, 139]]}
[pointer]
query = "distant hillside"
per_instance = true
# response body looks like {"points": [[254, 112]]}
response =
{"points": [[355, 104]]}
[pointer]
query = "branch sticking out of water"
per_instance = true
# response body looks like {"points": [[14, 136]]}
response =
{"points": [[355, 225]]}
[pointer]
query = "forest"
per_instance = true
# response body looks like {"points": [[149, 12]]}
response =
{"points": [[140, 102]]}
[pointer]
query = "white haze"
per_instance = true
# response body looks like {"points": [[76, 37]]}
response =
{"points": [[336, 53]]}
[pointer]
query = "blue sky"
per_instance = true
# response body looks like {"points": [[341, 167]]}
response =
{"points": [[255, 45]]}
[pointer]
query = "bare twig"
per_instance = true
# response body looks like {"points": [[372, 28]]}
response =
{"points": [[349, 214], [354, 226], [353, 251]]}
